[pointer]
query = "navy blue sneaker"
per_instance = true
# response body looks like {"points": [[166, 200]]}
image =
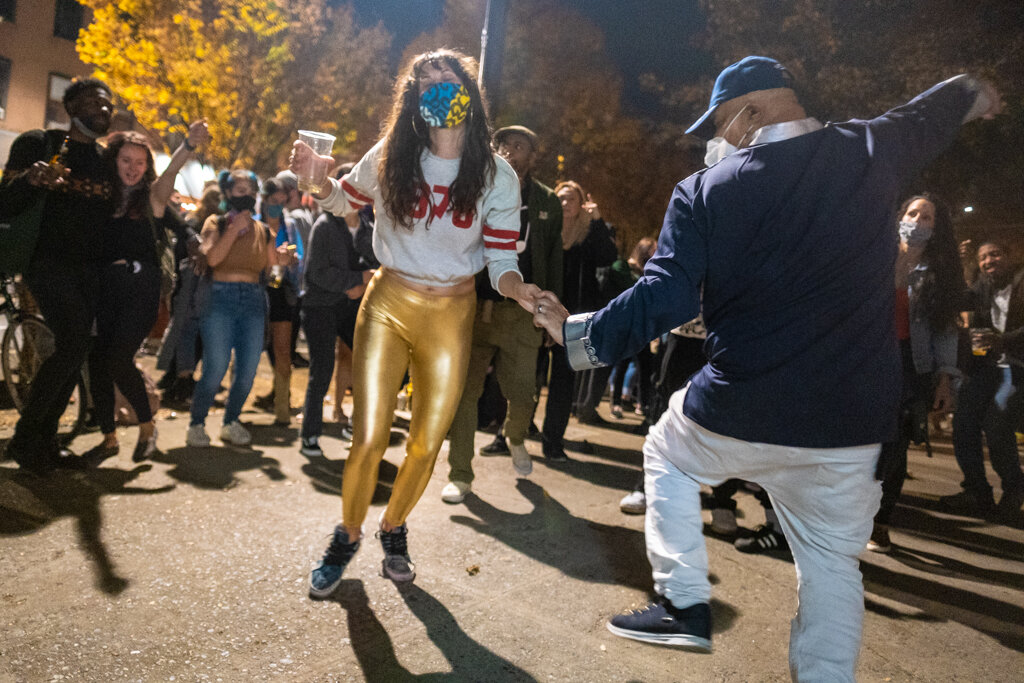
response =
{"points": [[325, 578], [397, 566], [662, 623]]}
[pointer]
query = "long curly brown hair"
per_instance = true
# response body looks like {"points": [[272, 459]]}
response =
{"points": [[407, 135], [137, 204]]}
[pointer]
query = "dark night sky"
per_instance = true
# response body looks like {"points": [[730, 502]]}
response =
{"points": [[642, 35]]}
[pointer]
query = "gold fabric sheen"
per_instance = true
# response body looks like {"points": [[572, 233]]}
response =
{"points": [[399, 328]]}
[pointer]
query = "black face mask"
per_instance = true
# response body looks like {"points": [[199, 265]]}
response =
{"points": [[244, 203]]}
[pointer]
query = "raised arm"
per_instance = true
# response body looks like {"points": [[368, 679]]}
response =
{"points": [[163, 187]]}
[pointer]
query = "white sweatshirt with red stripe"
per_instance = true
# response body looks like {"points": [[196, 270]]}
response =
{"points": [[440, 248]]}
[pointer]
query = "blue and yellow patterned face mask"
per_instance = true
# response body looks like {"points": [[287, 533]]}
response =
{"points": [[444, 105]]}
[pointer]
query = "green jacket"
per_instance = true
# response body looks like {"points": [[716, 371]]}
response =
{"points": [[545, 216]]}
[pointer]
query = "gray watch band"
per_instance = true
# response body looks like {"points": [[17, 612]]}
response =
{"points": [[578, 348]]}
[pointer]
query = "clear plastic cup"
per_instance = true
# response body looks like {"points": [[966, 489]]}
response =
{"points": [[313, 173]]}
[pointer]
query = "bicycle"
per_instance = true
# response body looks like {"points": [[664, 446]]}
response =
{"points": [[25, 344]]}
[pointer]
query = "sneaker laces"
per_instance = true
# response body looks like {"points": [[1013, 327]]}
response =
{"points": [[395, 541], [340, 551]]}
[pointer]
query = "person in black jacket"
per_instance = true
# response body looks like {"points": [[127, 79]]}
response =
{"points": [[587, 245], [990, 400], [63, 272]]}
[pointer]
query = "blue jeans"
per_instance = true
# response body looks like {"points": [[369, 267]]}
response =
{"points": [[235, 318], [988, 402]]}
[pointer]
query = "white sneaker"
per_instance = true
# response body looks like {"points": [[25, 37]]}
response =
{"points": [[723, 521], [197, 437], [521, 460], [455, 491], [235, 433], [634, 504]]}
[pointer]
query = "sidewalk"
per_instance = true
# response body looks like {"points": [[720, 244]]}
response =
{"points": [[194, 567]]}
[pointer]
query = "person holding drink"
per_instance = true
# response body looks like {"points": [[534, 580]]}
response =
{"points": [[446, 206], [990, 399], [239, 249]]}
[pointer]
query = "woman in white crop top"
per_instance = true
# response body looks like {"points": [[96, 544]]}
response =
{"points": [[446, 206]]}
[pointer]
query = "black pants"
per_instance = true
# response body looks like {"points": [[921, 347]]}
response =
{"points": [[323, 326], [913, 426], [127, 309], [560, 399], [66, 294]]}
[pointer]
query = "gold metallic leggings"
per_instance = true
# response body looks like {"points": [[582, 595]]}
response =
{"points": [[399, 328]]}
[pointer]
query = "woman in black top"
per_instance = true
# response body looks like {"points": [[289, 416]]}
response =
{"points": [[134, 242]]}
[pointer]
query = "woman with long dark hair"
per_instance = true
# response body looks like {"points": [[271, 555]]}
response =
{"points": [[135, 242], [446, 206], [929, 290]]}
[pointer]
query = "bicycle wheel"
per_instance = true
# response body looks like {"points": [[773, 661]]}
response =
{"points": [[27, 342]]}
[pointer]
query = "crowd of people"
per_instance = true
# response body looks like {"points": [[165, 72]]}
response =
{"points": [[804, 328]]}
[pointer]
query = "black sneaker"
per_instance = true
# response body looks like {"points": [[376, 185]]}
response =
{"points": [[1009, 508], [765, 540], [555, 454], [662, 623], [397, 566], [299, 362], [311, 447], [497, 447], [325, 579], [968, 502]]}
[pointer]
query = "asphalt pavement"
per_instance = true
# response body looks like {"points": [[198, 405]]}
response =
{"points": [[194, 567]]}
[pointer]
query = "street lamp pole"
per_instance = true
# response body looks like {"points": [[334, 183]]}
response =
{"points": [[492, 51]]}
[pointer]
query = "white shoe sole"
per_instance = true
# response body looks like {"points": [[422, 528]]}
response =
{"points": [[454, 498], [684, 641]]}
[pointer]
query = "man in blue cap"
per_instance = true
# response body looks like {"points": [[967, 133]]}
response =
{"points": [[785, 244]]}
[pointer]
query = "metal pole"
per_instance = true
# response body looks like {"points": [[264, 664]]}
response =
{"points": [[492, 51]]}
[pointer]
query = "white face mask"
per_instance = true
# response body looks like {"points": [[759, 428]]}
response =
{"points": [[719, 148], [914, 234]]}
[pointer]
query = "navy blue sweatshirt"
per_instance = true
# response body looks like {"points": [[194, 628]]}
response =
{"points": [[793, 246]]}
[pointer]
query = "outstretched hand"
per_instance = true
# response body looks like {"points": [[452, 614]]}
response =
{"points": [[550, 314]]}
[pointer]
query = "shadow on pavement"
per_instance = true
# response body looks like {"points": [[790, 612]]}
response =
{"points": [[940, 601], [998, 619], [325, 475], [375, 652], [577, 547], [215, 468], [29, 503]]}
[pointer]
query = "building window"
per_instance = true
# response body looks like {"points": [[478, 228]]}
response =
{"points": [[5, 82], [7, 10], [56, 116], [67, 20]]}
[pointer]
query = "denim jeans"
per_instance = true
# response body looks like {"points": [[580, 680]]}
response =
{"points": [[235, 319], [323, 326], [988, 402]]}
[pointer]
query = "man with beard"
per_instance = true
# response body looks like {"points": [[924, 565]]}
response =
{"points": [[63, 272], [990, 400], [503, 333]]}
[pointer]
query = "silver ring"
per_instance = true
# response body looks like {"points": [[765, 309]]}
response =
{"points": [[540, 308]]}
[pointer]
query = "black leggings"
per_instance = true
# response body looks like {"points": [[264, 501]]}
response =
{"points": [[127, 309]]}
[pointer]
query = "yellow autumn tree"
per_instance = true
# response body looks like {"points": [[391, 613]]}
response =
{"points": [[256, 70]]}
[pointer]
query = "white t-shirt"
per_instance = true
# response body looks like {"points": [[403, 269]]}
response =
{"points": [[439, 248]]}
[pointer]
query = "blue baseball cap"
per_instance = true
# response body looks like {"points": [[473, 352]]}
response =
{"points": [[748, 75]]}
